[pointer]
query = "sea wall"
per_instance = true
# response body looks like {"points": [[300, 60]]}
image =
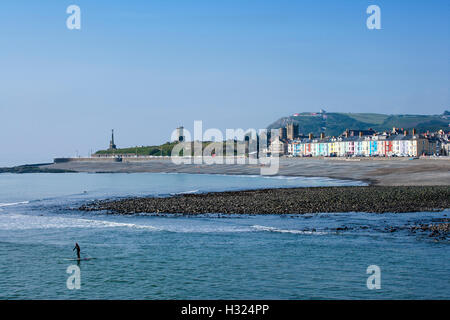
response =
{"points": [[65, 160]]}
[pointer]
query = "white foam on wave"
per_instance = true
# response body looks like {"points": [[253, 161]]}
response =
{"points": [[112, 224], [27, 222], [229, 175], [185, 192], [292, 231], [283, 178], [13, 203], [16, 221], [204, 229]]}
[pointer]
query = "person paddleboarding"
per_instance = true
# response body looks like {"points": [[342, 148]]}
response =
{"points": [[78, 250]]}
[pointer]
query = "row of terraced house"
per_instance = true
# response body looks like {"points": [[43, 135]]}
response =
{"points": [[360, 145]]}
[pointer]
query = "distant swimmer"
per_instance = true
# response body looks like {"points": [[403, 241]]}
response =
{"points": [[78, 250]]}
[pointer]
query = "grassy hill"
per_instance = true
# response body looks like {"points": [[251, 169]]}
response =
{"points": [[333, 124], [164, 149]]}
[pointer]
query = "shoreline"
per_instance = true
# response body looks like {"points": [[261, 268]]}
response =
{"points": [[371, 199], [36, 169], [381, 172]]}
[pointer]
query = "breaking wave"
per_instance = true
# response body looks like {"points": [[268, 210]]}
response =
{"points": [[26, 222], [185, 192], [18, 221], [13, 203], [292, 231]]}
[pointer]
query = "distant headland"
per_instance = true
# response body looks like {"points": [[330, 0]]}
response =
{"points": [[334, 123]]}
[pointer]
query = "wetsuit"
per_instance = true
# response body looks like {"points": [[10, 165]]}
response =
{"points": [[78, 250]]}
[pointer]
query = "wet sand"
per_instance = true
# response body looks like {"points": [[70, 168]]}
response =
{"points": [[382, 172]]}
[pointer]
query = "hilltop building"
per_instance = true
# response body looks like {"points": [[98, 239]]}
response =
{"points": [[180, 134], [112, 146]]}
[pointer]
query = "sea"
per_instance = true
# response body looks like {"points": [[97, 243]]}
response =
{"points": [[212, 256]]}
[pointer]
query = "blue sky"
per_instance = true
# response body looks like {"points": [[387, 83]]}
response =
{"points": [[145, 67]]}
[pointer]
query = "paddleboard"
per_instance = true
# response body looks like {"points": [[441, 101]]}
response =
{"points": [[82, 259]]}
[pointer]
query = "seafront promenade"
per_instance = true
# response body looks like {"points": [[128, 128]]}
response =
{"points": [[374, 171]]}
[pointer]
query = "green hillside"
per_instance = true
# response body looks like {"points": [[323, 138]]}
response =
{"points": [[165, 149], [333, 124], [162, 150], [368, 117]]}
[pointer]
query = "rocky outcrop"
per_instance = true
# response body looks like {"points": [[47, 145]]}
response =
{"points": [[377, 199]]}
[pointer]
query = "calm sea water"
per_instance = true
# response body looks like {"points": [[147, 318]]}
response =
{"points": [[203, 257]]}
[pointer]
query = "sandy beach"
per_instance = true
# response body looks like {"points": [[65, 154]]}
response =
{"points": [[382, 172]]}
